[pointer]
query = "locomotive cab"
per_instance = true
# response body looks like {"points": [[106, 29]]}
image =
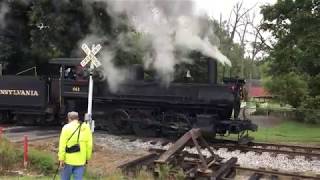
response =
{"points": [[72, 85]]}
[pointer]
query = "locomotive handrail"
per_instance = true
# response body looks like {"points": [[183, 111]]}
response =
{"points": [[26, 70]]}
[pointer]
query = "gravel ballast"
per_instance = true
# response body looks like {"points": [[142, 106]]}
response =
{"points": [[249, 159]]}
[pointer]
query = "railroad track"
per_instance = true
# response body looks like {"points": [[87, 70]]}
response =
{"points": [[290, 150], [197, 159], [257, 174], [249, 173], [257, 147]]}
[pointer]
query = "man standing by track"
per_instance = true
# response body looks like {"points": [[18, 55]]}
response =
{"points": [[75, 147]]}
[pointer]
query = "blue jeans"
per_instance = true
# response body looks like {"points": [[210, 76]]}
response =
{"points": [[68, 170]]}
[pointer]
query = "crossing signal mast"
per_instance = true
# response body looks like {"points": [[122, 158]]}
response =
{"points": [[94, 63]]}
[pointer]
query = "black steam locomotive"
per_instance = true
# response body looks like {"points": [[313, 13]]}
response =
{"points": [[142, 107]]}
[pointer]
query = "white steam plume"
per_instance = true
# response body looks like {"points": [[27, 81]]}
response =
{"points": [[169, 25], [187, 36], [4, 9], [115, 76]]}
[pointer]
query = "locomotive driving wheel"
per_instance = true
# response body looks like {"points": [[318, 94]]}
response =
{"points": [[118, 122], [143, 124], [101, 122], [175, 124]]}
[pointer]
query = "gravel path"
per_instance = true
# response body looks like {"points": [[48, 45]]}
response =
{"points": [[249, 159]]}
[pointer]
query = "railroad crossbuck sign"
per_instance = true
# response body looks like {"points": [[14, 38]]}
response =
{"points": [[94, 63], [91, 55]]}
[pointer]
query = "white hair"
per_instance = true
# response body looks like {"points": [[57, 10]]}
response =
{"points": [[73, 115]]}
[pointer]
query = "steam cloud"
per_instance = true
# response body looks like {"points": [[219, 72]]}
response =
{"points": [[3, 11], [170, 26], [115, 76]]}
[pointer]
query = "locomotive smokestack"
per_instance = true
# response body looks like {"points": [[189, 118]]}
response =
{"points": [[212, 71]]}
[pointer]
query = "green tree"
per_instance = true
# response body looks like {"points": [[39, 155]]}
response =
{"points": [[38, 31], [56, 28], [230, 49], [295, 56], [289, 88], [295, 25], [14, 37], [310, 109]]}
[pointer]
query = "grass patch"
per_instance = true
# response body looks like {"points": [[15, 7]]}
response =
{"points": [[289, 131], [167, 171], [93, 174], [11, 158], [117, 175], [26, 178]]}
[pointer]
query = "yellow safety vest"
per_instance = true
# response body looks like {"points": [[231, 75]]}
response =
{"points": [[85, 141]]}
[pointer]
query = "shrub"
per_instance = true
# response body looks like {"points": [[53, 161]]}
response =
{"points": [[42, 161], [8, 155], [314, 85], [309, 110], [289, 88]]}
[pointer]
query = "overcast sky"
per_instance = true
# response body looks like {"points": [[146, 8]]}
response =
{"points": [[215, 8]]}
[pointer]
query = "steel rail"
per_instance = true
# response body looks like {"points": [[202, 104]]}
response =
{"points": [[306, 148], [304, 151], [277, 173]]}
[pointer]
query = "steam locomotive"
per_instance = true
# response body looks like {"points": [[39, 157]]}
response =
{"points": [[145, 108]]}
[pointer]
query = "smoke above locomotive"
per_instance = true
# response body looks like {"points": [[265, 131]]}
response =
{"points": [[167, 27], [3, 11]]}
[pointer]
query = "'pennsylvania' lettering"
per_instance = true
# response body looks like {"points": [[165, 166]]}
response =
{"points": [[18, 92]]}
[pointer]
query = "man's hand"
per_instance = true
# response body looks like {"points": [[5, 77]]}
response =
{"points": [[61, 164]]}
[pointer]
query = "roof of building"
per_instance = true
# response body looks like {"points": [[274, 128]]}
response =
{"points": [[255, 89], [258, 91]]}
